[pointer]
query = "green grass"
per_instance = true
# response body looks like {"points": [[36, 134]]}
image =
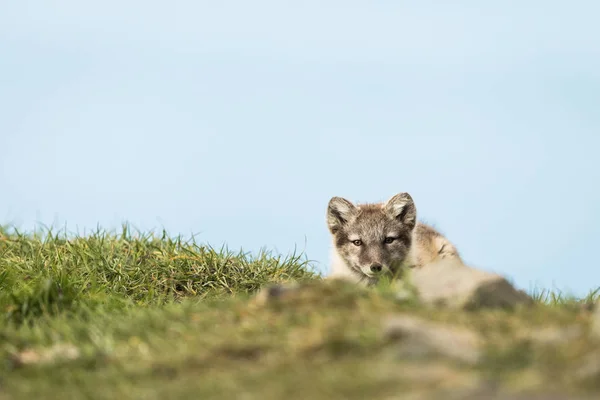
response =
{"points": [[51, 273], [151, 316]]}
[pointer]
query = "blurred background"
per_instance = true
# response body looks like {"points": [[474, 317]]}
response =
{"points": [[238, 121]]}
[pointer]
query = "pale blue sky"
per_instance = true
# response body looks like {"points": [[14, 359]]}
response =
{"points": [[239, 121]]}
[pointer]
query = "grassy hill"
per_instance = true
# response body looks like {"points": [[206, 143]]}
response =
{"points": [[133, 315]]}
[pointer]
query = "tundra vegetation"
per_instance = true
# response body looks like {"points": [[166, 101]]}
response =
{"points": [[132, 315]]}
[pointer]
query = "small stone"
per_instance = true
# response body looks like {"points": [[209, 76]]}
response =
{"points": [[274, 291], [589, 368], [58, 352], [421, 338], [456, 285], [595, 323], [404, 294], [553, 335]]}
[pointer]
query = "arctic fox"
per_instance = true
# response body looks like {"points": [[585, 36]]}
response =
{"points": [[371, 240]]}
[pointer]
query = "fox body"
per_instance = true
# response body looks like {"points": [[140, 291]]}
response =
{"points": [[372, 240]]}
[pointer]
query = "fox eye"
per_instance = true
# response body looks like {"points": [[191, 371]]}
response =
{"points": [[357, 242], [389, 240]]}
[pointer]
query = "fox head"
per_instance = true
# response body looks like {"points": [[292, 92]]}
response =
{"points": [[373, 239]]}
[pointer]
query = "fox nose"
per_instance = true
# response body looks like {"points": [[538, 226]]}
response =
{"points": [[376, 267]]}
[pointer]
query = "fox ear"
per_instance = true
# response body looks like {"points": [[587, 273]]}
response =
{"points": [[339, 212], [402, 207]]}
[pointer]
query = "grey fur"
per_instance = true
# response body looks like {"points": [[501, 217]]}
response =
{"points": [[371, 240]]}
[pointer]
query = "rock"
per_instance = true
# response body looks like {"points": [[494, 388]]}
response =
{"points": [[459, 286], [421, 338]]}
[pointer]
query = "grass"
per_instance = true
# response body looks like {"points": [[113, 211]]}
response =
{"points": [[135, 315]]}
